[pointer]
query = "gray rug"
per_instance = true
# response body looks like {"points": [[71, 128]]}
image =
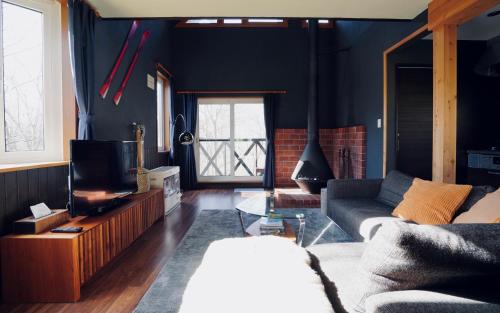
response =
{"points": [[165, 294]]}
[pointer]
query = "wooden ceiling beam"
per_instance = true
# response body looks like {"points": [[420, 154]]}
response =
{"points": [[441, 12]]}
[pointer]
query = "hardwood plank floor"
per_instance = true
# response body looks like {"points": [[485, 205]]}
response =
{"points": [[121, 284]]}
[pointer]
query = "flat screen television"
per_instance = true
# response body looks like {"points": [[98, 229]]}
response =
{"points": [[101, 173]]}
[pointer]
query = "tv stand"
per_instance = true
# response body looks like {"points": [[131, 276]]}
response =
{"points": [[52, 267], [110, 206]]}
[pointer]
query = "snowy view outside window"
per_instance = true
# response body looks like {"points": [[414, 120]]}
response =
{"points": [[22, 41], [232, 137]]}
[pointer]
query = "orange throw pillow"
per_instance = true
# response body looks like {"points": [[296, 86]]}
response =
{"points": [[428, 202]]}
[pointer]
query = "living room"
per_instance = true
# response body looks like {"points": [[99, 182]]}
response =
{"points": [[187, 157]]}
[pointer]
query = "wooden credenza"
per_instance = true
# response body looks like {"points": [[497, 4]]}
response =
{"points": [[51, 267]]}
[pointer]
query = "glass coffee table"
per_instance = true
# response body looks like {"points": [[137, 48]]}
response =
{"points": [[262, 205]]}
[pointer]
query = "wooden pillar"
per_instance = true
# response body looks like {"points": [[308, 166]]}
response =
{"points": [[444, 143]]}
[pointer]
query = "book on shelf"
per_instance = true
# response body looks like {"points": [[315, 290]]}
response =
{"points": [[264, 232], [271, 224]]}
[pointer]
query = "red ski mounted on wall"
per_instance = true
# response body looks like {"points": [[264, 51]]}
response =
{"points": [[119, 93], [103, 91]]}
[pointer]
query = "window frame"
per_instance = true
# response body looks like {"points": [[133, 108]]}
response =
{"points": [[231, 101], [245, 23], [52, 86], [166, 102]]}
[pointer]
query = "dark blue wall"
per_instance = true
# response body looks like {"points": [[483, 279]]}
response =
{"points": [[256, 59], [138, 103], [359, 83]]}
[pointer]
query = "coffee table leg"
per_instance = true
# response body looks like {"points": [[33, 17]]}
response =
{"points": [[241, 223], [302, 228]]}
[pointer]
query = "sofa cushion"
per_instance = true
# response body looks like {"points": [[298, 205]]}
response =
{"points": [[393, 188], [476, 194], [428, 202], [360, 218], [418, 301], [404, 256], [336, 263], [486, 210]]}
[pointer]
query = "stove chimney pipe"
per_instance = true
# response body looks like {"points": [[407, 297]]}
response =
{"points": [[312, 110]]}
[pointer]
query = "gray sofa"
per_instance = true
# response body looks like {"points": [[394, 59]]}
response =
{"points": [[359, 207], [425, 269]]}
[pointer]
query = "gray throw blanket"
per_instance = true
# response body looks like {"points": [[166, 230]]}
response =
{"points": [[405, 256]]}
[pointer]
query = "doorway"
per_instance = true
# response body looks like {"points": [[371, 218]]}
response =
{"points": [[414, 120], [231, 139]]}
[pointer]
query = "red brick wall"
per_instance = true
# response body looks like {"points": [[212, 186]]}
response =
{"points": [[354, 139], [289, 145]]}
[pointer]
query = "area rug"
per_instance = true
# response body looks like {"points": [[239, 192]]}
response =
{"points": [[165, 294]]}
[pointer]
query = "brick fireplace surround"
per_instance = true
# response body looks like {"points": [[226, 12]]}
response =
{"points": [[289, 145]]}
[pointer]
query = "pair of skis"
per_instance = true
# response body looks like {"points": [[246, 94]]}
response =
{"points": [[103, 91]]}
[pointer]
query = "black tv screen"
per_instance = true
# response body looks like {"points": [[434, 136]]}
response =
{"points": [[101, 172]]}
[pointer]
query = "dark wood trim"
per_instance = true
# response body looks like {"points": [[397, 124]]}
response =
{"points": [[220, 24], [162, 69], [231, 92]]}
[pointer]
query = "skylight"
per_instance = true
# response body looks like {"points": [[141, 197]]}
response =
{"points": [[233, 21], [202, 21], [321, 21], [265, 20]]}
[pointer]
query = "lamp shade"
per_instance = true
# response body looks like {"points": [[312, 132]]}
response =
{"points": [[186, 138]]}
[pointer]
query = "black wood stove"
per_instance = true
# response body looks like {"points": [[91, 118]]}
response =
{"points": [[313, 171]]}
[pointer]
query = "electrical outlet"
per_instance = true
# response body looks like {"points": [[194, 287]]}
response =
{"points": [[151, 82], [379, 123]]}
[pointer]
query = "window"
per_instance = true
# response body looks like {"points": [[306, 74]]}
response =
{"points": [[322, 23], [265, 20], [202, 21], [30, 97], [233, 22], [163, 99], [231, 143]]}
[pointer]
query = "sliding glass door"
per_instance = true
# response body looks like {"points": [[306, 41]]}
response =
{"points": [[231, 139]]}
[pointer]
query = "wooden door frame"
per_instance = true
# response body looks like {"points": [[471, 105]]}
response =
{"points": [[444, 17]]}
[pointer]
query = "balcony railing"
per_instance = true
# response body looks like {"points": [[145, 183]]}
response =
{"points": [[226, 157]]}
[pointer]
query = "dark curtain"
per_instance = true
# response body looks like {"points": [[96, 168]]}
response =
{"points": [[82, 38], [269, 106], [188, 164]]}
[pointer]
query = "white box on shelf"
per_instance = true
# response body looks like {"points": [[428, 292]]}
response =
{"points": [[167, 177]]}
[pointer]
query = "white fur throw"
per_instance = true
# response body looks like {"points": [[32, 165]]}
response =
{"points": [[255, 274]]}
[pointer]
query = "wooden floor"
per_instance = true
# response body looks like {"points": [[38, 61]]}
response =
{"points": [[120, 285]]}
